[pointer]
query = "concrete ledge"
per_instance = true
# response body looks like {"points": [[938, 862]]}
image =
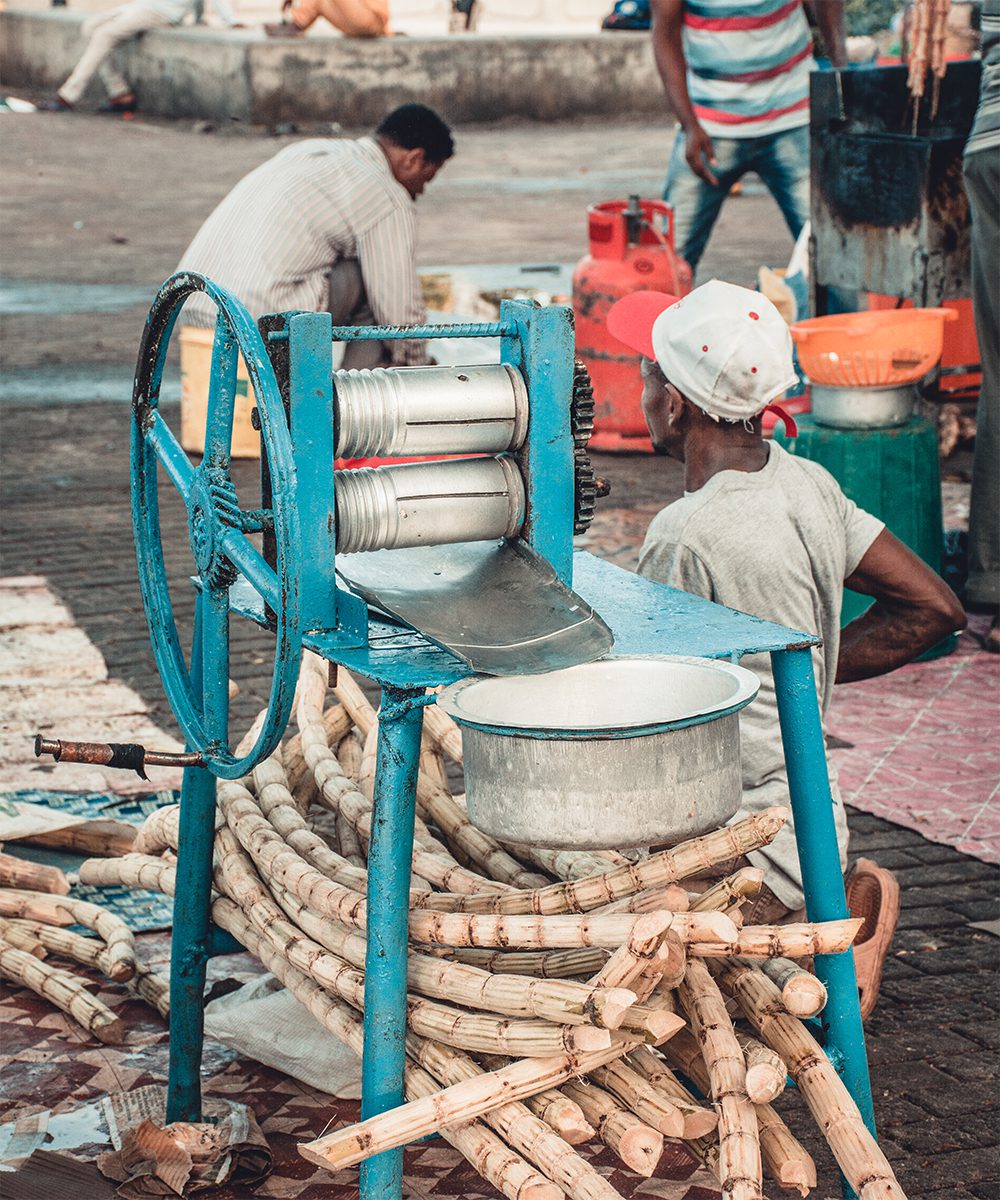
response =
{"points": [[243, 75]]}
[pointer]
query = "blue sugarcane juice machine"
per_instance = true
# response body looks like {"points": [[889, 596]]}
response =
{"points": [[415, 577]]}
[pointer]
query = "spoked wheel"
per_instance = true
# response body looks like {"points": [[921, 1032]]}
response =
{"points": [[217, 527]]}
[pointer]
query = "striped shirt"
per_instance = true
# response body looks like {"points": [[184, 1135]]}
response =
{"points": [[273, 238], [748, 65], [985, 133]]}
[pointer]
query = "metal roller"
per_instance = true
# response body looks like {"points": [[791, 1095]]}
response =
{"points": [[434, 503], [429, 410]]}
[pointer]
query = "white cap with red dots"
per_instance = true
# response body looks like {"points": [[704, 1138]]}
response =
{"points": [[725, 348]]}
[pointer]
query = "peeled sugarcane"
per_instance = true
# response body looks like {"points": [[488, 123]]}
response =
{"points": [[64, 910], [640, 950], [698, 1121], [349, 757], [492, 1158], [557, 1000], [519, 1127], [695, 857], [57, 940], [742, 885], [63, 990], [638, 1145], [430, 1019], [154, 988], [802, 994], [459, 1102], [784, 1158], [670, 897], [562, 1115], [101, 835], [859, 1156], [18, 934], [766, 1072], [551, 964], [636, 1094], [36, 877], [782, 941], [739, 1147]]}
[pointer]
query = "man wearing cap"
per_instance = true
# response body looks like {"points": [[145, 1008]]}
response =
{"points": [[762, 531]]}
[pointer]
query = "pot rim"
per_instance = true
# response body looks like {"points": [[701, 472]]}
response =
{"points": [[748, 685]]}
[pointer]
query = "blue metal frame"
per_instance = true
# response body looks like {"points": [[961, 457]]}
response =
{"points": [[646, 618]]}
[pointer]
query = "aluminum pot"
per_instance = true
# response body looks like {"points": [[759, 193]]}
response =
{"points": [[621, 752], [862, 407]]}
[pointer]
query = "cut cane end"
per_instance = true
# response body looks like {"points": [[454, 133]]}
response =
{"points": [[764, 1083], [699, 1123], [640, 1149], [611, 1005]]}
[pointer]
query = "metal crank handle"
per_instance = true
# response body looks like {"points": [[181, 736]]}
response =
{"points": [[128, 755]]}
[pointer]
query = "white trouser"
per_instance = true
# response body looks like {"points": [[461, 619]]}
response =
{"points": [[105, 31]]}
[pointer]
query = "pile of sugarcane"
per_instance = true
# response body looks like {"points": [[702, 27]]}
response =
{"points": [[555, 997], [34, 941]]}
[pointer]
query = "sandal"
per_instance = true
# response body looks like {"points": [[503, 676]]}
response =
{"points": [[125, 103], [873, 895], [54, 104]]}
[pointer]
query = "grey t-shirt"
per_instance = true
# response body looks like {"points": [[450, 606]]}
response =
{"points": [[777, 543]]}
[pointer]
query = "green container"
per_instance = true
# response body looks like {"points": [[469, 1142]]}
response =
{"points": [[892, 473]]}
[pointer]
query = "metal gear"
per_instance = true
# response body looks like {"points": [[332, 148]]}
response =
{"points": [[581, 406]]}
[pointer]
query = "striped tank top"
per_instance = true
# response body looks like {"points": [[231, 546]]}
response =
{"points": [[748, 65]]}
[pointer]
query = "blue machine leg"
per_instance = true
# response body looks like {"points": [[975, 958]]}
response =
{"points": [[390, 852], [191, 940], [822, 880]]}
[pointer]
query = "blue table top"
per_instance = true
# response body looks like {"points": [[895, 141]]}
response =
{"points": [[646, 618]]}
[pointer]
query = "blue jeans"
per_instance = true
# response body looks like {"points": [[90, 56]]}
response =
{"points": [[780, 159]]}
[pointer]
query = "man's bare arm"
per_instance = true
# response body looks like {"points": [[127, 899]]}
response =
{"points": [[668, 50], [829, 16], [914, 609]]}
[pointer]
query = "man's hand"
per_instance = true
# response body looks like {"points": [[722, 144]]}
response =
{"points": [[699, 152], [914, 609]]}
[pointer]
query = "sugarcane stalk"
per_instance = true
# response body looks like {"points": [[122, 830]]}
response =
{"points": [[63, 990], [699, 1122], [766, 1072], [563, 1115], [632, 958], [802, 994], [459, 1102], [154, 988], [562, 1001], [438, 805], [549, 964], [782, 941], [455, 1027], [519, 1127], [694, 857], [739, 1147], [35, 877], [742, 885], [353, 699], [100, 835], [638, 1145], [495, 1161], [859, 1156], [65, 910], [671, 897], [636, 1094], [785, 1159], [56, 939]]}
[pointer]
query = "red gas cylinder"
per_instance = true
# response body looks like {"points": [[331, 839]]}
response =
{"points": [[631, 250]]}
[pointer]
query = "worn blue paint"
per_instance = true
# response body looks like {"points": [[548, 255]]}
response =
{"points": [[192, 930], [390, 852], [213, 518], [822, 878]]}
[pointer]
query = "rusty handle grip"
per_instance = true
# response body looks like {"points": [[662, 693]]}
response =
{"points": [[129, 756]]}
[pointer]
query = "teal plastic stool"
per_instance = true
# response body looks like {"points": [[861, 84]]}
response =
{"points": [[892, 473]]}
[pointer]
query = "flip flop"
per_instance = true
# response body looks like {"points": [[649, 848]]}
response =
{"points": [[873, 895]]}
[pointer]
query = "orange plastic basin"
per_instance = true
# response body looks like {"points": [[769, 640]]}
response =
{"points": [[871, 349]]}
